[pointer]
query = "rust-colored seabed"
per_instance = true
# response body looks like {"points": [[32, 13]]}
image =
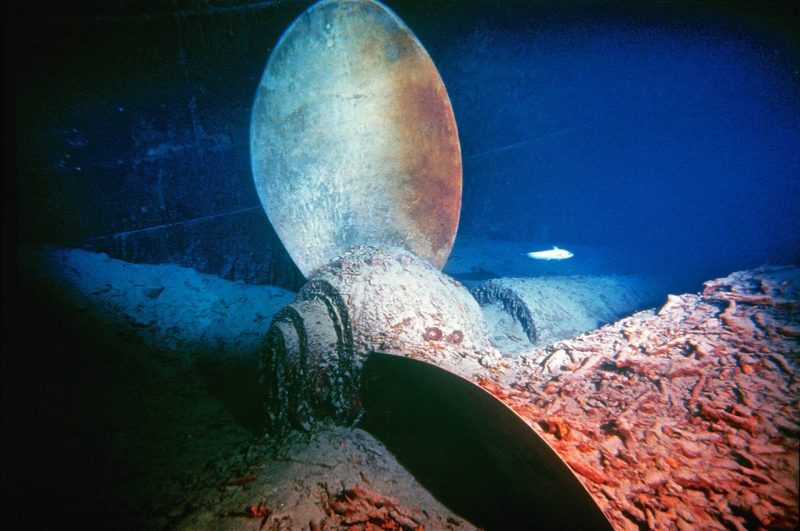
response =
{"points": [[682, 418]]}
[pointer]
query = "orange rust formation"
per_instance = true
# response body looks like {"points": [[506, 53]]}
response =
{"points": [[427, 145], [361, 508], [686, 418], [432, 195]]}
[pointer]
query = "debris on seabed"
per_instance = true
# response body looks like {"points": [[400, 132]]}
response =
{"points": [[683, 418]]}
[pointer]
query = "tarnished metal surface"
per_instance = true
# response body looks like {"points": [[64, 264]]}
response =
{"points": [[387, 300], [353, 139], [357, 163], [366, 300]]}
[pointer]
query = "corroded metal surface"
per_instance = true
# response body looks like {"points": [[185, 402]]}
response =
{"points": [[368, 299], [388, 300], [353, 139], [357, 163]]}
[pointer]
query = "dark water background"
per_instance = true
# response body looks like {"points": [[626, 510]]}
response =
{"points": [[667, 135], [664, 134]]}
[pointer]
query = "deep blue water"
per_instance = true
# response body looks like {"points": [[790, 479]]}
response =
{"points": [[674, 143]]}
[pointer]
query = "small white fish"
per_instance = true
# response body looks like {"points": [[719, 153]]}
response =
{"points": [[553, 254]]}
